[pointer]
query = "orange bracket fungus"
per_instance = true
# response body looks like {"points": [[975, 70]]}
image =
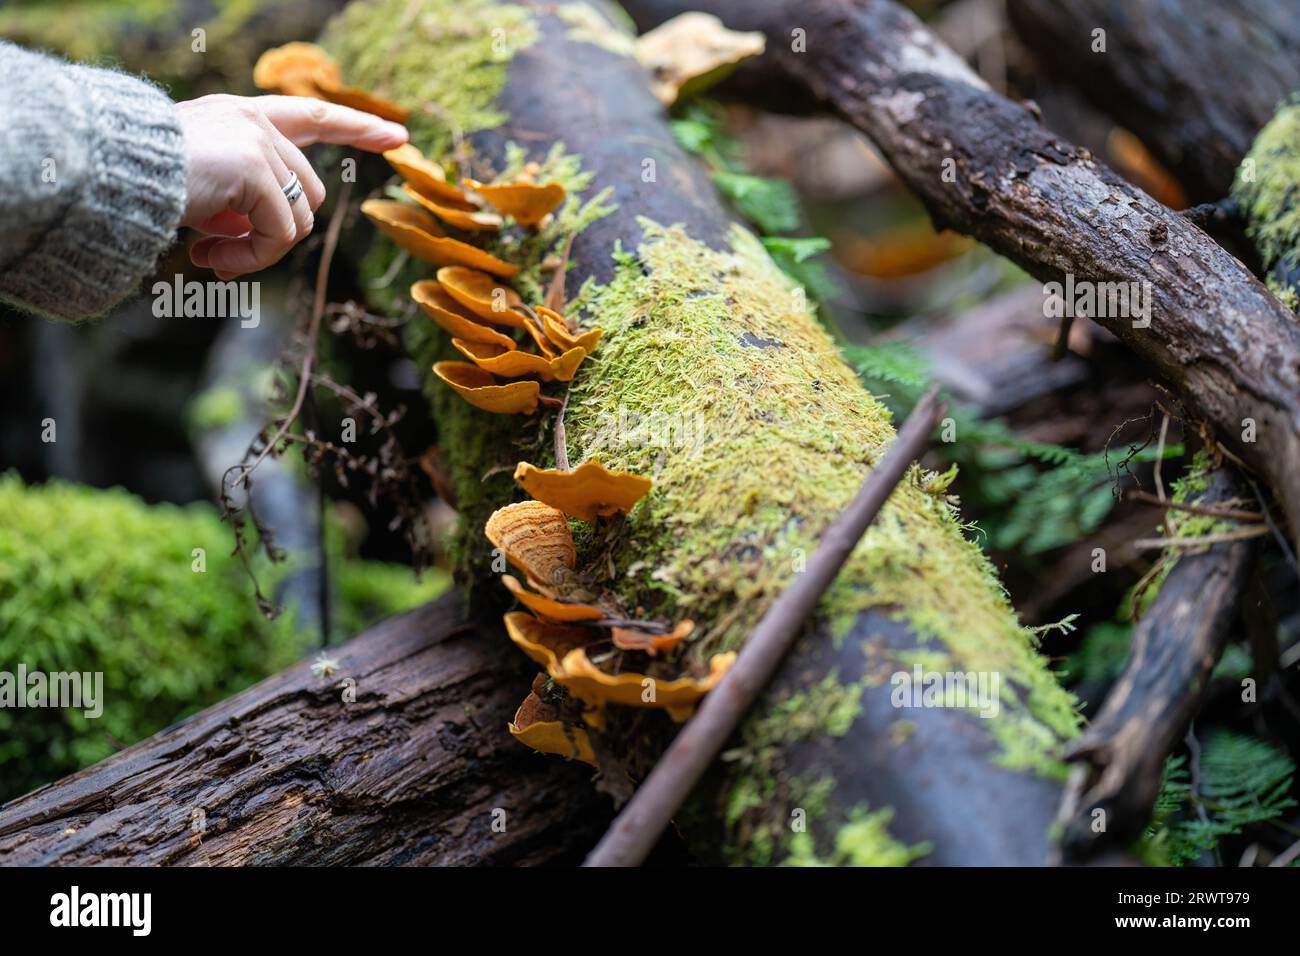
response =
{"points": [[562, 650], [469, 220], [537, 725], [480, 389], [512, 363], [547, 644], [534, 327], [304, 69], [426, 177], [549, 608], [588, 492], [527, 203], [638, 639], [295, 69], [557, 330], [418, 233], [482, 295], [535, 538], [595, 688], [446, 311]]}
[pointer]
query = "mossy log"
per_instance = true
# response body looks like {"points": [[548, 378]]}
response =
{"points": [[714, 379], [415, 769], [987, 167], [1195, 81]]}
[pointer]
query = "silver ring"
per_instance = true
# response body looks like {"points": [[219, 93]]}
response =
{"points": [[292, 189]]}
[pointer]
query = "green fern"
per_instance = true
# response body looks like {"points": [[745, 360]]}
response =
{"points": [[889, 363], [1243, 781], [771, 205], [1036, 496]]}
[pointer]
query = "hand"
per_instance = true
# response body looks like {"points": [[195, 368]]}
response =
{"points": [[241, 151]]}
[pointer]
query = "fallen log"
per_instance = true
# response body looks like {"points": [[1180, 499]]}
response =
{"points": [[774, 435], [986, 166], [1194, 81], [1120, 756], [400, 756]]}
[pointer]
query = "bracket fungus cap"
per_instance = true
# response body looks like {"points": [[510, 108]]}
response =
{"points": [[527, 203], [480, 389], [418, 233], [293, 69], [514, 363], [425, 176], [588, 492], [549, 608], [536, 725], [483, 295], [471, 220], [447, 312], [535, 538], [558, 331]]}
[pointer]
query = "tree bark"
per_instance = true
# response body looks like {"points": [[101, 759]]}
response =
{"points": [[1194, 81], [413, 771], [786, 436], [1120, 757], [987, 167]]}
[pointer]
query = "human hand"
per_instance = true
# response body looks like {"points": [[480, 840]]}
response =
{"points": [[241, 151]]}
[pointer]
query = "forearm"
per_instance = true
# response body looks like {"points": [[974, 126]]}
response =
{"points": [[92, 185]]}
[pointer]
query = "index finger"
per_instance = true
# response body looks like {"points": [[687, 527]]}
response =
{"points": [[305, 121]]}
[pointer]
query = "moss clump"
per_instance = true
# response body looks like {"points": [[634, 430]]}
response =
{"points": [[714, 379], [216, 407], [1267, 188], [587, 25], [98, 581], [863, 840], [445, 60]]}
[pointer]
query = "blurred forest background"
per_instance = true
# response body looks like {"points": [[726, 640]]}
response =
{"points": [[97, 528]]}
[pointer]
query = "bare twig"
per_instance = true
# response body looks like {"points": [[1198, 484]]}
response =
{"points": [[555, 290], [1240, 534], [561, 437], [637, 828], [1231, 514], [313, 333]]}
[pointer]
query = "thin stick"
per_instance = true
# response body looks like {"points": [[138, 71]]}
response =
{"points": [[636, 830], [1209, 511], [1241, 534], [1160, 457], [313, 331], [561, 436]]}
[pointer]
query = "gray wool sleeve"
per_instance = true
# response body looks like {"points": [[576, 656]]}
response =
{"points": [[92, 184]]}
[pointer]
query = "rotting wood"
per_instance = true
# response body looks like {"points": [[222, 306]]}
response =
{"points": [[1120, 756], [418, 770]]}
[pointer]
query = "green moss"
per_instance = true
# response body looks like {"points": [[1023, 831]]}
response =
{"points": [[445, 60], [587, 25], [216, 407], [85, 30], [98, 581], [862, 841], [1267, 188], [779, 435]]}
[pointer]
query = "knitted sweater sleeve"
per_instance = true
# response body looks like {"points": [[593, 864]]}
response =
{"points": [[92, 184]]}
